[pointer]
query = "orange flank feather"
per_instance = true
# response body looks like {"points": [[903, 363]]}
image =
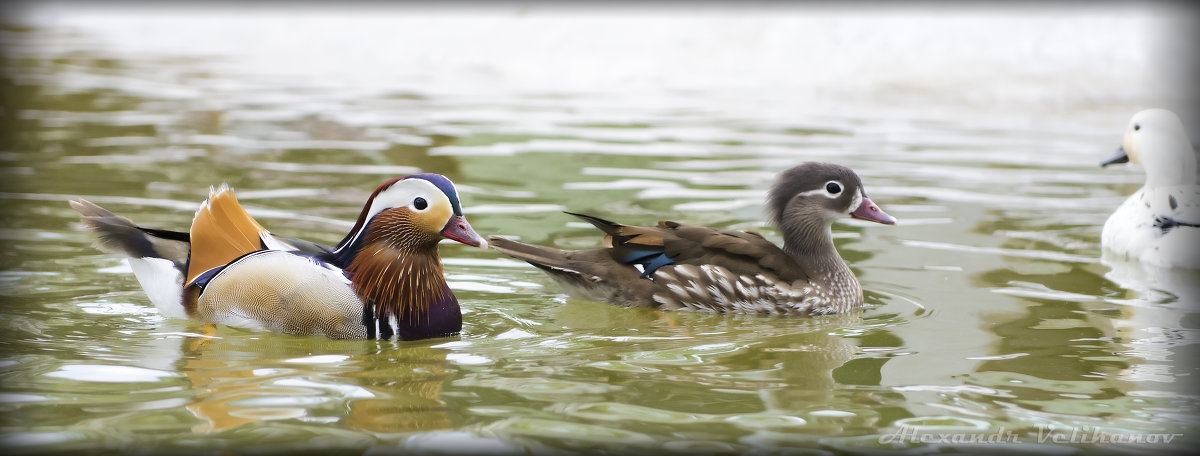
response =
{"points": [[221, 232]]}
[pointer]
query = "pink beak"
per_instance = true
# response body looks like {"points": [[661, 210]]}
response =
{"points": [[869, 211], [457, 229]]}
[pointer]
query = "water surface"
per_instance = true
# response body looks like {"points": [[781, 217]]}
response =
{"points": [[989, 309]]}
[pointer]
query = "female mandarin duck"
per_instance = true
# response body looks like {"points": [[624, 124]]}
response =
{"points": [[1160, 223], [383, 279], [677, 266]]}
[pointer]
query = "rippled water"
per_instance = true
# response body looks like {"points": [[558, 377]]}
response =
{"points": [[989, 308]]}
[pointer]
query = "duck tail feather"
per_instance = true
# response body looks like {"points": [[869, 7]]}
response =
{"points": [[117, 234], [602, 224], [554, 261]]}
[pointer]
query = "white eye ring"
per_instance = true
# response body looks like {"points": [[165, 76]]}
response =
{"points": [[420, 204], [833, 188]]}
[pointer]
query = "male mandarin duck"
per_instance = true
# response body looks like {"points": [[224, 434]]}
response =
{"points": [[677, 266], [383, 279], [1160, 223]]}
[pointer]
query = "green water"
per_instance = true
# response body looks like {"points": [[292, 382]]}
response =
{"points": [[988, 310]]}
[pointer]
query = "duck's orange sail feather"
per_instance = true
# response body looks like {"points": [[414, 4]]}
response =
{"points": [[221, 232]]}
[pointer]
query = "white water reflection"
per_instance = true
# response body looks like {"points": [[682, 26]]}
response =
{"points": [[109, 373]]}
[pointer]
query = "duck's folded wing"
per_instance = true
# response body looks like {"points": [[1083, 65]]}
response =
{"points": [[674, 243], [633, 245], [1180, 203], [743, 252]]}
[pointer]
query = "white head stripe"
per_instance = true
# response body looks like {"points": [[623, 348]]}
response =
{"points": [[819, 191], [858, 199]]}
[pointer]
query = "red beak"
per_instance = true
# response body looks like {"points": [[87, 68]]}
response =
{"points": [[869, 211], [457, 229]]}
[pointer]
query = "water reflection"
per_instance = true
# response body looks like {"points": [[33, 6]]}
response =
{"points": [[989, 306], [1074, 358], [1137, 282], [377, 387], [661, 379]]}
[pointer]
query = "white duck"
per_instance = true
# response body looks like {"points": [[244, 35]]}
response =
{"points": [[1160, 223]]}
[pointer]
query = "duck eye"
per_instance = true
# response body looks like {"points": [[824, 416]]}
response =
{"points": [[420, 203], [1137, 127], [833, 188]]}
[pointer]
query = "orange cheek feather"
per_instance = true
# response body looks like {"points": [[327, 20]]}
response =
{"points": [[434, 219]]}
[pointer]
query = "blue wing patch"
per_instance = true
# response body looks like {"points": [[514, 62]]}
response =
{"points": [[649, 260]]}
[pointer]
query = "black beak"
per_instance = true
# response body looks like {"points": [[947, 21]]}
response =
{"points": [[1118, 157]]}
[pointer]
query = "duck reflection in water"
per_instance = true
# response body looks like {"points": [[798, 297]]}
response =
{"points": [[793, 366], [1075, 351], [385, 386]]}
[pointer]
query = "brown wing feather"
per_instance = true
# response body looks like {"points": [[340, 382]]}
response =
{"points": [[691, 244], [639, 236], [221, 232], [740, 251]]}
